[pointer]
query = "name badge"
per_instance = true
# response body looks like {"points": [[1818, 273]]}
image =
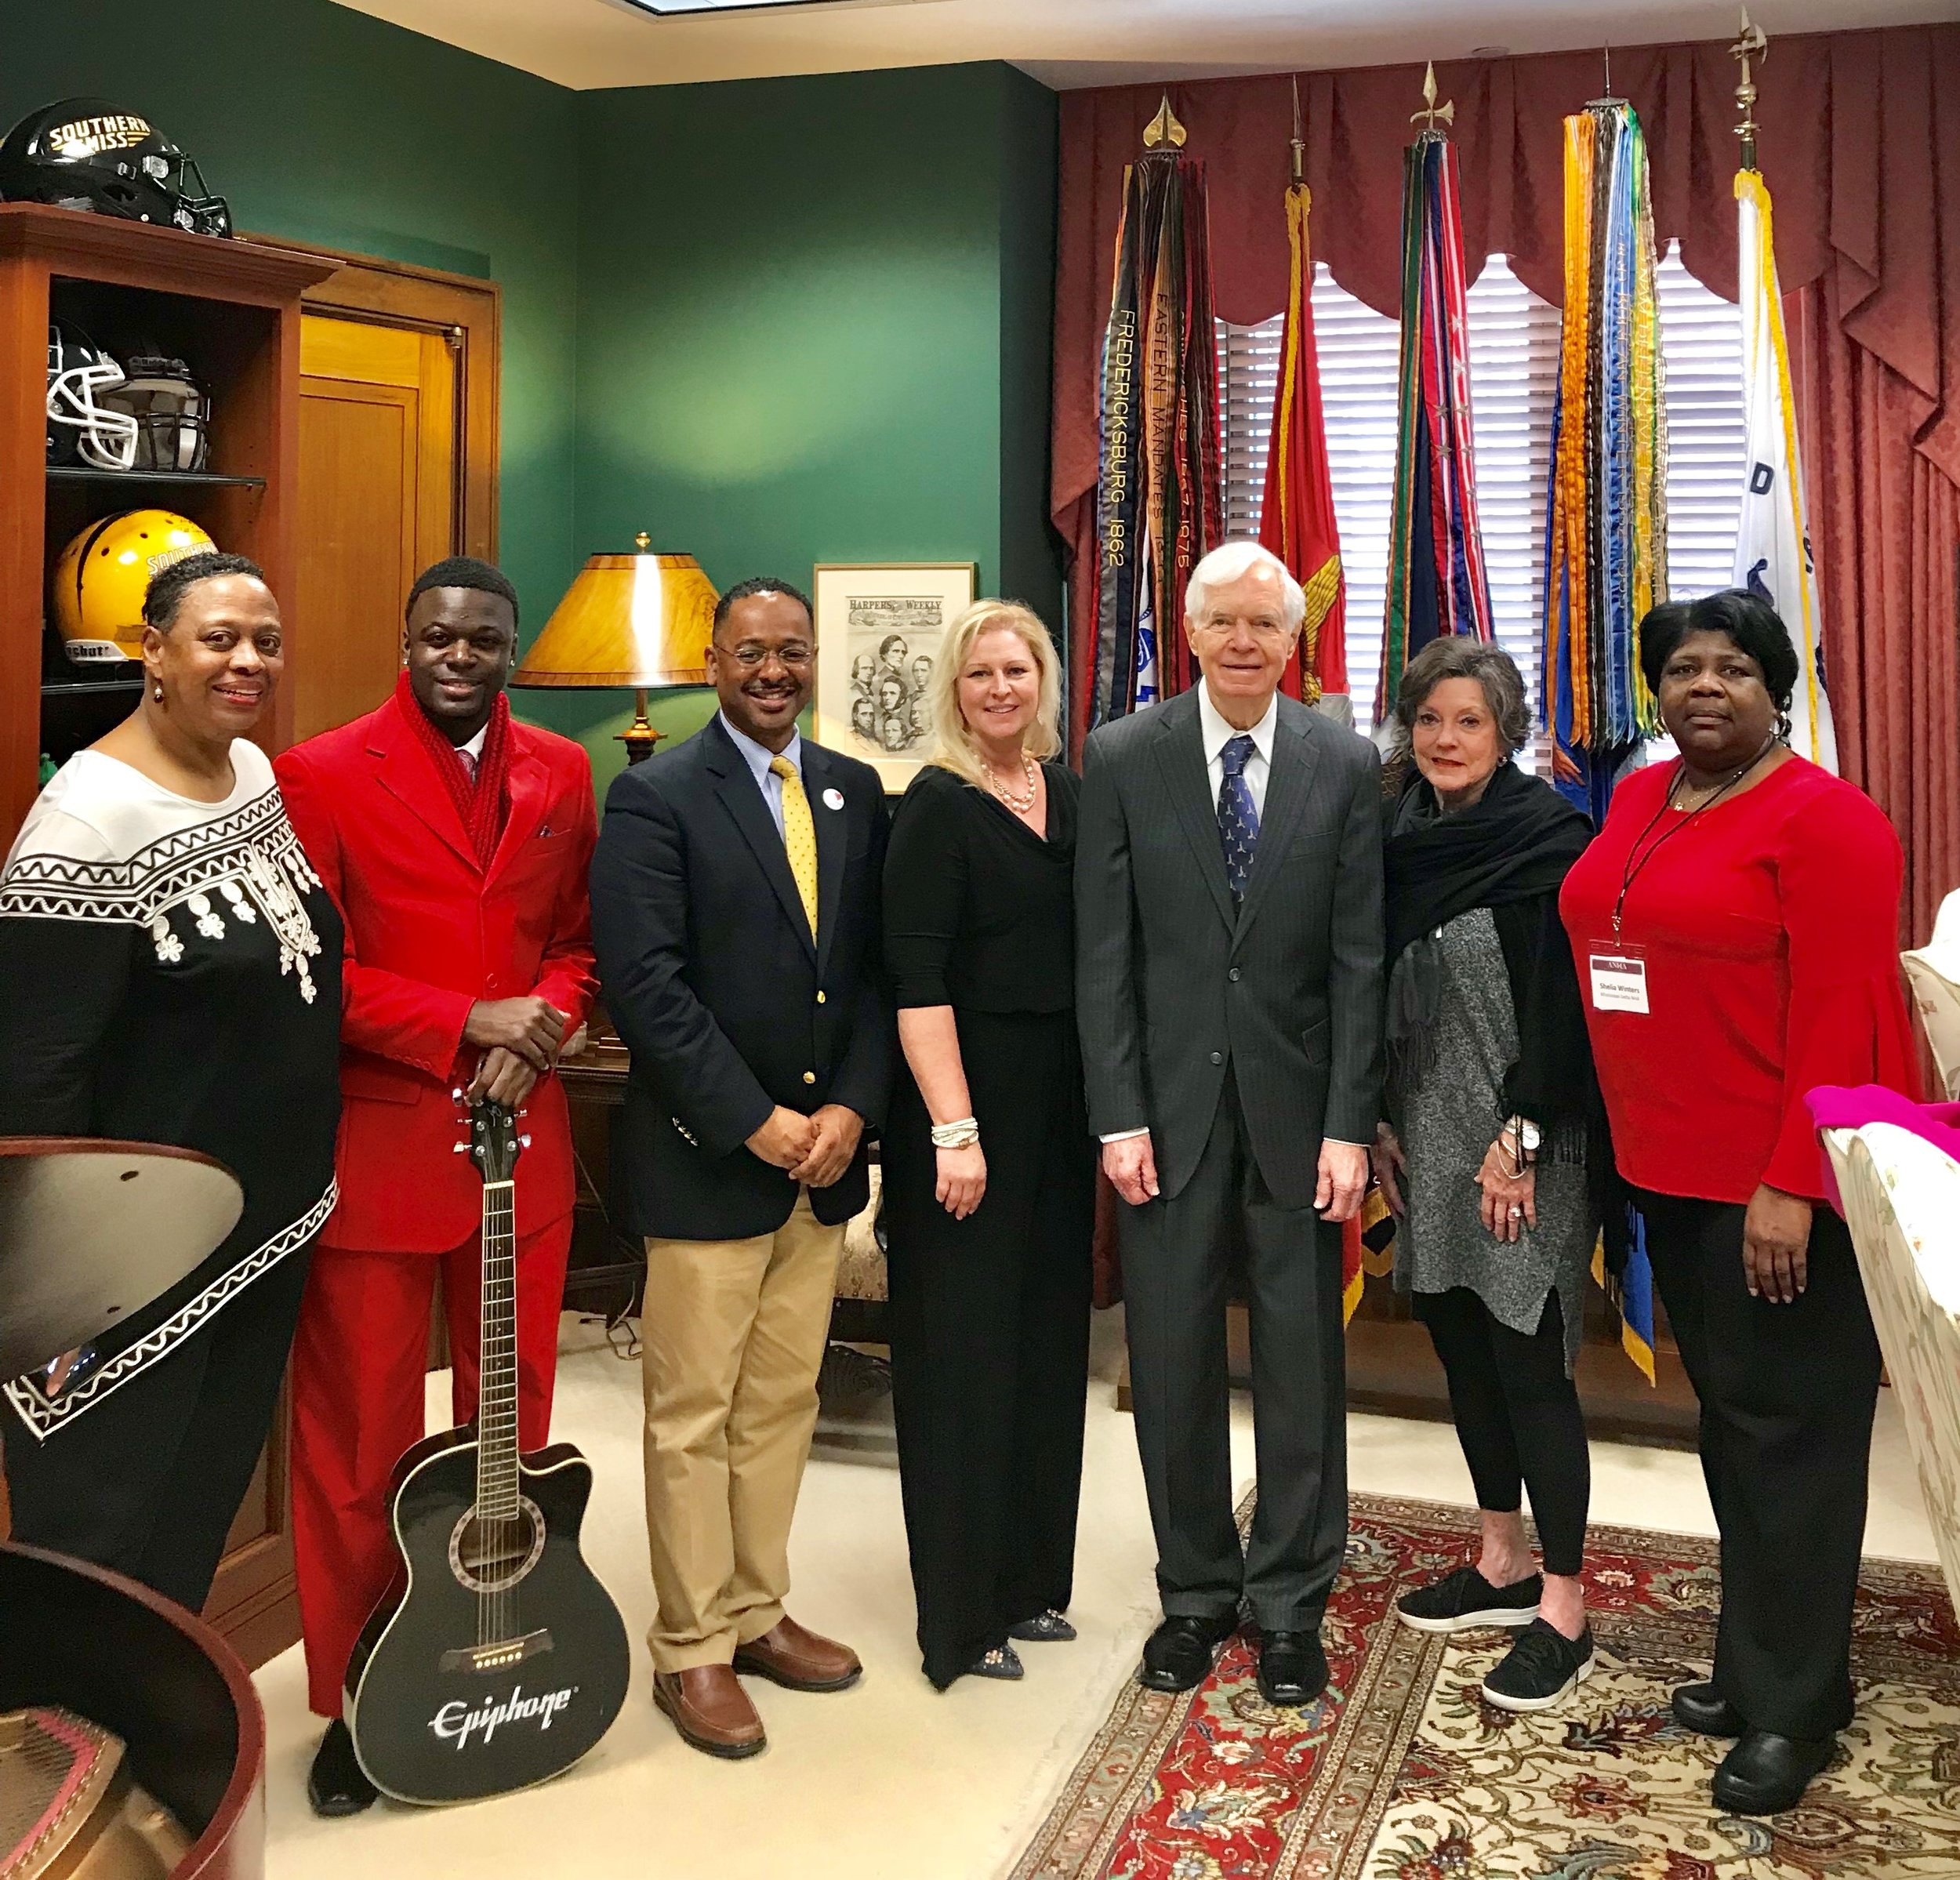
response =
{"points": [[1619, 980], [833, 799]]}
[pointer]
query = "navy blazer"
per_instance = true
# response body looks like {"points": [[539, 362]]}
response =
{"points": [[727, 1002]]}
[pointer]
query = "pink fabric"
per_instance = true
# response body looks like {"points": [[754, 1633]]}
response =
{"points": [[1834, 1107]]}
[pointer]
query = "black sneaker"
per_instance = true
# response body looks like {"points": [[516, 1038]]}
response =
{"points": [[1466, 1600], [1541, 1669]]}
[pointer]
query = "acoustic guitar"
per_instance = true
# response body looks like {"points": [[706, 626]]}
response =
{"points": [[501, 1660]]}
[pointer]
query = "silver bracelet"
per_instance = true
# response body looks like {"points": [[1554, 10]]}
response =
{"points": [[961, 1135]]}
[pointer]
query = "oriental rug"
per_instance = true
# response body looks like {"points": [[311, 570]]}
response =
{"points": [[1402, 1771]]}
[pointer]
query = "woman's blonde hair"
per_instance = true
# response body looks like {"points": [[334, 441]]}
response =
{"points": [[956, 750]]}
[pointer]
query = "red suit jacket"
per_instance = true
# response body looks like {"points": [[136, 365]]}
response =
{"points": [[430, 932]]}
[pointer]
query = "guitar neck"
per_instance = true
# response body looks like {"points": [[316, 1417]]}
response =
{"points": [[497, 1353]]}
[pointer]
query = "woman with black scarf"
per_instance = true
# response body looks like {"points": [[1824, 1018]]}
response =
{"points": [[1486, 1157]]}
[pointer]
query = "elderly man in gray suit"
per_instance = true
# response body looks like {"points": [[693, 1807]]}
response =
{"points": [[1229, 924]]}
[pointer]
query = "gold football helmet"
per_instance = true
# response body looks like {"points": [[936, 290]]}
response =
{"points": [[104, 572]]}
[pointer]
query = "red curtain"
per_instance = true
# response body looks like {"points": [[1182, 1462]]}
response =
{"points": [[1867, 226]]}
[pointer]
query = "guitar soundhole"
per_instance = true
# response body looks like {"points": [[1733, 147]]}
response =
{"points": [[491, 1553]]}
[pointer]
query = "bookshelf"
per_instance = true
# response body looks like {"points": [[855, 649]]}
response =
{"points": [[231, 310]]}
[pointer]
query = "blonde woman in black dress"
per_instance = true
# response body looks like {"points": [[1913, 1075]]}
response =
{"points": [[988, 1166]]}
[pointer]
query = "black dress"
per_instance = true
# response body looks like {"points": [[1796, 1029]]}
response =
{"points": [[172, 975], [990, 1315]]}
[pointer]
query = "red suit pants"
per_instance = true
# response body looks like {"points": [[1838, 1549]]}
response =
{"points": [[359, 1359]]}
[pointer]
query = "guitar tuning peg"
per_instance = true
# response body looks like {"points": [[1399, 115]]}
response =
{"points": [[459, 1149], [457, 1093], [525, 1141]]}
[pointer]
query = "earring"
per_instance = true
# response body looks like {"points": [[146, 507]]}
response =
{"points": [[156, 692]]}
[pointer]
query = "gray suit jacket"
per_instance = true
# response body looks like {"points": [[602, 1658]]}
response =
{"points": [[1173, 983]]}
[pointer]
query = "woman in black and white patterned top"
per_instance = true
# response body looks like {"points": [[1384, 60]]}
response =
{"points": [[173, 967]]}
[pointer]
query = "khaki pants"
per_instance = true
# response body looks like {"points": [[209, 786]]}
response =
{"points": [[732, 1335]]}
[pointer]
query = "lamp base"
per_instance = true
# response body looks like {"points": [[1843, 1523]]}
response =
{"points": [[639, 737]]}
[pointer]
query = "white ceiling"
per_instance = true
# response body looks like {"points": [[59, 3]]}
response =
{"points": [[587, 44]]}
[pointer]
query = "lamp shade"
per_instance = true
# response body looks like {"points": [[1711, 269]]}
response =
{"points": [[638, 620]]}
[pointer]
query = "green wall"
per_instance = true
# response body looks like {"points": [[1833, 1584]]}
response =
{"points": [[813, 325], [774, 322]]}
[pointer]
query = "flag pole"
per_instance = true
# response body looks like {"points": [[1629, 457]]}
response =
{"points": [[1754, 44]]}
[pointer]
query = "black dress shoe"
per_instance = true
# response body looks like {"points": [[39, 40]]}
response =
{"points": [[1703, 1709], [1293, 1668], [1177, 1656], [335, 1784], [1764, 1774]]}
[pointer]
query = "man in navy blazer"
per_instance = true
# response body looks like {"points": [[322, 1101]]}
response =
{"points": [[735, 898]]}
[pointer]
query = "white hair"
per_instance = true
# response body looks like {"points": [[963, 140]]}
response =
{"points": [[1233, 561]]}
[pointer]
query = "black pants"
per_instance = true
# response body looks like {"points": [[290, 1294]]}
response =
{"points": [[1517, 1416], [990, 1339], [1177, 1256], [1787, 1394], [147, 1481]]}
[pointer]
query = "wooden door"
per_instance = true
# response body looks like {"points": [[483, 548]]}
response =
{"points": [[379, 453]]}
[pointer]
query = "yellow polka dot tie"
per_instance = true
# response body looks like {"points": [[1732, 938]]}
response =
{"points": [[799, 837]]}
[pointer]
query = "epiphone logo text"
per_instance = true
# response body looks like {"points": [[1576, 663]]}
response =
{"points": [[456, 1723]]}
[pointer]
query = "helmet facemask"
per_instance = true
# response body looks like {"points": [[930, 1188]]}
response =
{"points": [[170, 413], [78, 376]]}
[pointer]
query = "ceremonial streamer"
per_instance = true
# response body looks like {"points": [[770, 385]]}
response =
{"points": [[1436, 580], [1158, 497], [1607, 526]]}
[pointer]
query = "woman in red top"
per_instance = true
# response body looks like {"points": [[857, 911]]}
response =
{"points": [[1735, 925]]}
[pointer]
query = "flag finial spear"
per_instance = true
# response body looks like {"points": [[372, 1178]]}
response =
{"points": [[1431, 112], [1164, 129], [1754, 44], [1299, 143]]}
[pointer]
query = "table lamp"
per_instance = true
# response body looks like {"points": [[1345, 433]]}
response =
{"points": [[642, 619]]}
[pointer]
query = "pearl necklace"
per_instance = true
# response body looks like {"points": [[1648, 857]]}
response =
{"points": [[1020, 805]]}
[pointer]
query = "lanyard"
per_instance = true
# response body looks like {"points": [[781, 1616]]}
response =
{"points": [[1636, 861]]}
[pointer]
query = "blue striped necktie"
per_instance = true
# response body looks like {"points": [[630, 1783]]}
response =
{"points": [[1238, 816]]}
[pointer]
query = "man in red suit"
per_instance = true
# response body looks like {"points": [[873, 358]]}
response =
{"points": [[455, 842]]}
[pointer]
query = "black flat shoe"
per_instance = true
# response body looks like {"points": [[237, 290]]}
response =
{"points": [[1177, 1656], [1044, 1628], [1703, 1709], [1465, 1601], [1004, 1662], [335, 1784], [1541, 1670], [1764, 1774], [1293, 1668]]}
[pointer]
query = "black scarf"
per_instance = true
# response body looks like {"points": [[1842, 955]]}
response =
{"points": [[1510, 852]]}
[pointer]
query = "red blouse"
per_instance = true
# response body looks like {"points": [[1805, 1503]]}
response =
{"points": [[1769, 928]]}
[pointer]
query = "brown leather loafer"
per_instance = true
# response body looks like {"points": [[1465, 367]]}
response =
{"points": [[711, 1710], [799, 1660]]}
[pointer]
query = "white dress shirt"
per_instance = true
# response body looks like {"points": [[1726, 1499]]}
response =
{"points": [[759, 757], [1218, 734]]}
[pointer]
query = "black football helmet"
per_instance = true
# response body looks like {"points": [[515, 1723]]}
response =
{"points": [[85, 153]]}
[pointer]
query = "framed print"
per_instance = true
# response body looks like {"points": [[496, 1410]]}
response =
{"points": [[878, 626]]}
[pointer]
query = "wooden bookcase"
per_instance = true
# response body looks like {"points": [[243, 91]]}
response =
{"points": [[231, 310]]}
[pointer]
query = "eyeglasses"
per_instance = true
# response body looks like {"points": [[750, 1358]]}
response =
{"points": [[1260, 630], [751, 658]]}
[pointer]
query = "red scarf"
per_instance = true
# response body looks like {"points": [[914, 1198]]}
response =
{"points": [[484, 805]]}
